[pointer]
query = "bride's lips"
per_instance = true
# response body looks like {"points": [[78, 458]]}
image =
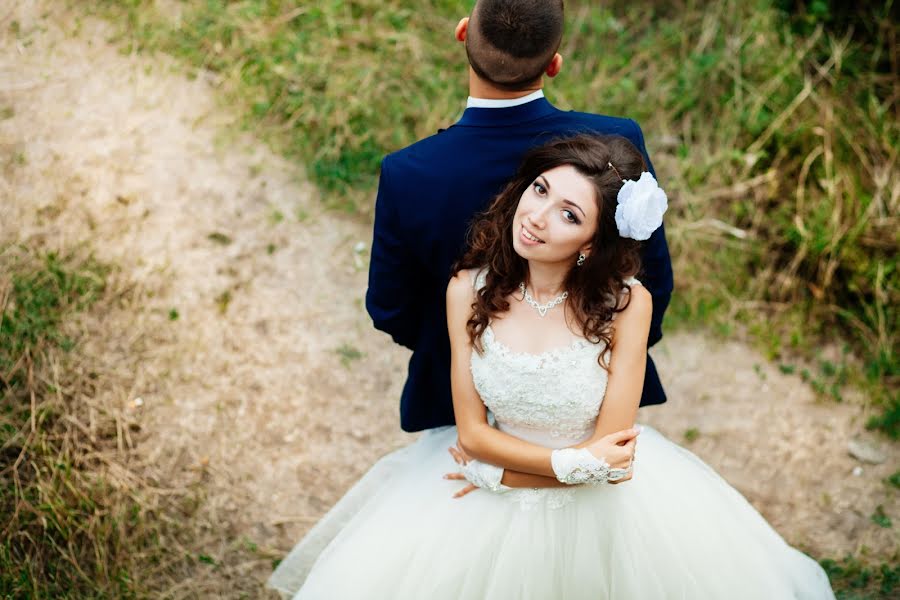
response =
{"points": [[528, 241]]}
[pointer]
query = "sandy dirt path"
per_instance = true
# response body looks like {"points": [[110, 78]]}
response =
{"points": [[272, 384]]}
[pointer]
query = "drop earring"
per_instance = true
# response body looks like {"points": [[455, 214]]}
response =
{"points": [[580, 260]]}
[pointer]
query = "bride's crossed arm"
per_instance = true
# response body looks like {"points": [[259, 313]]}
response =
{"points": [[527, 464]]}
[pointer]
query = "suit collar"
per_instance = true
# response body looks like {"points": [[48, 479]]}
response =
{"points": [[502, 117], [473, 102]]}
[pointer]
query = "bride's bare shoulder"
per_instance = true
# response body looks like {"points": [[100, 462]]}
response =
{"points": [[460, 296], [461, 290], [636, 316]]}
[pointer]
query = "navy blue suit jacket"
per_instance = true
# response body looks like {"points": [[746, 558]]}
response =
{"points": [[427, 196]]}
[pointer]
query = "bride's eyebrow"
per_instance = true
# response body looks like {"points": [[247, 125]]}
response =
{"points": [[569, 202]]}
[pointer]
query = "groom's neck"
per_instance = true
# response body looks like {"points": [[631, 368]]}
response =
{"points": [[479, 88]]}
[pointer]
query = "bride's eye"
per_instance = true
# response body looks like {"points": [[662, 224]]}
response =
{"points": [[539, 188], [569, 216]]}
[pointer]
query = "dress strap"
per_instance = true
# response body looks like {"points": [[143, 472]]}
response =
{"points": [[630, 282]]}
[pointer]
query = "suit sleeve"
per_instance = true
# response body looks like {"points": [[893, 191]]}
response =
{"points": [[656, 272], [391, 300]]}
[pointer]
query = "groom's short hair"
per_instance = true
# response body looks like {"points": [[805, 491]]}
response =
{"points": [[511, 42]]}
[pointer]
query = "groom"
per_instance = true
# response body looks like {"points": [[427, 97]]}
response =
{"points": [[429, 191]]}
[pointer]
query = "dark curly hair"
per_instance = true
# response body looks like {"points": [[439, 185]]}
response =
{"points": [[612, 259]]}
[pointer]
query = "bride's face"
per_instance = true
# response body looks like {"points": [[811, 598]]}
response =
{"points": [[556, 217]]}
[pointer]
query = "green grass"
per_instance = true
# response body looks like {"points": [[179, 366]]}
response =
{"points": [[894, 480], [691, 435], [70, 528], [36, 303], [880, 518], [348, 354], [775, 137], [854, 579], [46, 516]]}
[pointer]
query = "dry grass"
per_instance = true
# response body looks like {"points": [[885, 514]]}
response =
{"points": [[88, 515]]}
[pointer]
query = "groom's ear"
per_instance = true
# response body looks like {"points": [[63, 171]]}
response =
{"points": [[555, 65], [461, 29]]}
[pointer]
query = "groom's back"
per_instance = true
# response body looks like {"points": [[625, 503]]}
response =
{"points": [[428, 194]]}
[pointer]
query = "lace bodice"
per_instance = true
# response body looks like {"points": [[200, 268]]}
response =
{"points": [[551, 398]]}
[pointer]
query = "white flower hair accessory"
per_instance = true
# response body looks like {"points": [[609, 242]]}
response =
{"points": [[641, 206]]}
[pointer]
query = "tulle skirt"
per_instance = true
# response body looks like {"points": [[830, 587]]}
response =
{"points": [[676, 530]]}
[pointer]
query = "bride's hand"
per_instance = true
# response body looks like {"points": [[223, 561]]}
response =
{"points": [[460, 477], [617, 454], [461, 459], [458, 454]]}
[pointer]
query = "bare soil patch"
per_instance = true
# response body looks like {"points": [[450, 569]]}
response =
{"points": [[269, 384]]}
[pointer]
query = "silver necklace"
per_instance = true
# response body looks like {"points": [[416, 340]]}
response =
{"points": [[542, 308]]}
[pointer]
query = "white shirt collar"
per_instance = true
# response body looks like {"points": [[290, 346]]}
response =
{"points": [[502, 103]]}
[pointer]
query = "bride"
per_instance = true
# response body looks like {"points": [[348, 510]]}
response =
{"points": [[548, 331]]}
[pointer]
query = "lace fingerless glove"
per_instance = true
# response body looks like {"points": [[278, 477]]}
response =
{"points": [[572, 466], [575, 466], [485, 476]]}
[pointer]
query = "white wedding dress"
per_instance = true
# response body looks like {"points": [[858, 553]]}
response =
{"points": [[676, 530]]}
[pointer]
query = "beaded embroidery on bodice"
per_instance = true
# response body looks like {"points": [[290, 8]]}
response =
{"points": [[551, 398]]}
